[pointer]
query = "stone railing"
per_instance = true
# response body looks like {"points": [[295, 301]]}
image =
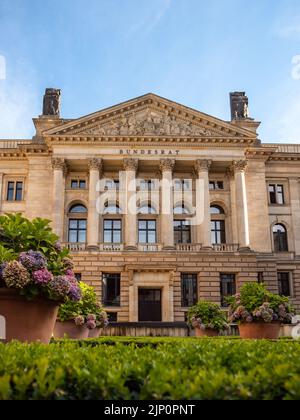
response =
{"points": [[150, 247], [13, 144], [188, 247], [75, 247], [285, 148], [111, 247], [226, 247]]}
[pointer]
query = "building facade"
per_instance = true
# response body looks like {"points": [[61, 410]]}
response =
{"points": [[161, 205]]}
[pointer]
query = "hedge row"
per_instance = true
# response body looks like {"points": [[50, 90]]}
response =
{"points": [[151, 369]]}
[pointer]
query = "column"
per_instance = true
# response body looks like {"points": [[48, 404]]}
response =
{"points": [[167, 219], [295, 206], [203, 203], [95, 167], [1, 191], [130, 168], [59, 173], [239, 168]]}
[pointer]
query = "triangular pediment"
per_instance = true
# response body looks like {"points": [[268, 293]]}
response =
{"points": [[150, 115]]}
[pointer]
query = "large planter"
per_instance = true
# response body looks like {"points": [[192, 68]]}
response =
{"points": [[27, 321], [95, 333], [208, 332], [260, 330], [69, 329]]}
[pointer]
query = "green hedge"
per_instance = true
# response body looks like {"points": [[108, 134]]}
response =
{"points": [[151, 369]]}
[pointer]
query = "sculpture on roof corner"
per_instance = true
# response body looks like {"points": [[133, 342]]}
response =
{"points": [[51, 104], [239, 106]]}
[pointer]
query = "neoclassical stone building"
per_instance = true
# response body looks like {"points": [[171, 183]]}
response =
{"points": [[106, 179]]}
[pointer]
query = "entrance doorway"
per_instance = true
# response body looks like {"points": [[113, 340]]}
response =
{"points": [[150, 305]]}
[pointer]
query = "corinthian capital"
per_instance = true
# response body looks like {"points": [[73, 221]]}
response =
{"points": [[202, 165], [239, 166], [96, 164], [59, 164], [167, 165], [130, 164]]}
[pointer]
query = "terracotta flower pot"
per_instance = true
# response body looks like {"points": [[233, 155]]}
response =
{"points": [[260, 330], [208, 332], [95, 333], [27, 321], [69, 329]]}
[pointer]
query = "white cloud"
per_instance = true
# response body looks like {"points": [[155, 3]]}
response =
{"points": [[150, 22]]}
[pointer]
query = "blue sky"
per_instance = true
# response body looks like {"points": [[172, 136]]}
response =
{"points": [[102, 52]]}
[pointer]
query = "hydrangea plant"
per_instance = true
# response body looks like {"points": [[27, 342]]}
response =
{"points": [[87, 311], [255, 303], [207, 315], [33, 262]]}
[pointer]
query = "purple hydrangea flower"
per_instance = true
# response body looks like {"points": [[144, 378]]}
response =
{"points": [[15, 275], [42, 276], [58, 246], [68, 263], [2, 267], [33, 260], [75, 293], [60, 287]]}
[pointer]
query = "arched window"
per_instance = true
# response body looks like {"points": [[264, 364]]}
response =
{"points": [[181, 209], [77, 224], [111, 209], [78, 208], [146, 209], [216, 210], [218, 233], [280, 238]]}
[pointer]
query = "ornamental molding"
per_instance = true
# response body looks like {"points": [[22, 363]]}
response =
{"points": [[130, 164], [96, 164], [167, 165], [239, 166], [150, 115], [203, 165]]}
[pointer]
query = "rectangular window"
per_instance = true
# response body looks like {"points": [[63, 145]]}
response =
{"points": [[77, 230], [218, 236], [112, 185], [182, 232], [111, 289], [182, 185], [228, 287], [260, 278], [78, 276], [284, 284], [147, 231], [112, 231], [189, 290], [147, 185], [276, 194], [14, 191], [216, 185], [78, 184], [112, 316]]}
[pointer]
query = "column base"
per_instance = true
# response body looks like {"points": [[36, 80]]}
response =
{"points": [[92, 248], [245, 249], [130, 248], [169, 248]]}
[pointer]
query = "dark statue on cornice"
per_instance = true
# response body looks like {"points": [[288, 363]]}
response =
{"points": [[239, 106], [51, 104]]}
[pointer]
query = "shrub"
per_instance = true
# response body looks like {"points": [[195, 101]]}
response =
{"points": [[151, 369], [207, 315], [255, 303], [33, 262], [85, 311]]}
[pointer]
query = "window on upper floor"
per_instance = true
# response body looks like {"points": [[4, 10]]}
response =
{"points": [[147, 185], [112, 185], [280, 238], [182, 185], [276, 194], [182, 232], [14, 191], [216, 185], [218, 231], [147, 231], [112, 231], [284, 284], [78, 184]]}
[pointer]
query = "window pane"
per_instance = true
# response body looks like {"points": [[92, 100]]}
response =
{"points": [[107, 236], [73, 236], [10, 191], [284, 284], [280, 196], [82, 224], [117, 237], [228, 287], [82, 236], [111, 289], [220, 185], [108, 224], [78, 209], [82, 184], [189, 292], [19, 191], [151, 237], [142, 237], [151, 224], [117, 224], [142, 224], [74, 184], [73, 224]]}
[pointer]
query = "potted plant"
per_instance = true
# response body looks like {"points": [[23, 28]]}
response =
{"points": [[259, 312], [77, 320], [34, 278], [207, 318]]}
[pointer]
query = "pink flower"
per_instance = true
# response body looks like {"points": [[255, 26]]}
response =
{"points": [[42, 276], [91, 325]]}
